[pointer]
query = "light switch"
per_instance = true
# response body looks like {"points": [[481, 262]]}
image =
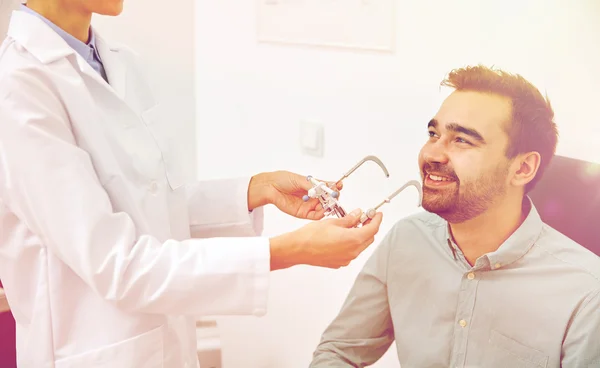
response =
{"points": [[311, 138]]}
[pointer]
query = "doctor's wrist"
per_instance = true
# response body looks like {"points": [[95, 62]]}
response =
{"points": [[259, 191], [284, 251]]}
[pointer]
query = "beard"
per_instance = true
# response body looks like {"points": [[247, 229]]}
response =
{"points": [[458, 202]]}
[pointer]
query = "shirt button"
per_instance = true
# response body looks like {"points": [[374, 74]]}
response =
{"points": [[471, 276], [497, 265], [462, 323]]}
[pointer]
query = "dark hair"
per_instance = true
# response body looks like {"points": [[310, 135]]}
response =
{"points": [[532, 126]]}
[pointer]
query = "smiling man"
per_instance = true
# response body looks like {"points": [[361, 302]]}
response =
{"points": [[477, 280]]}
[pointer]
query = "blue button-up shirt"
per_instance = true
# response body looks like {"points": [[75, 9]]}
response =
{"points": [[88, 51]]}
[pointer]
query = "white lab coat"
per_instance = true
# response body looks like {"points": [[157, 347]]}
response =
{"points": [[96, 216]]}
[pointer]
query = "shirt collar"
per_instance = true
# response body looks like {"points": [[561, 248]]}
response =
{"points": [[81, 48], [516, 246]]}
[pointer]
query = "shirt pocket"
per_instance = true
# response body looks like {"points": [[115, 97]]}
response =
{"points": [[155, 119], [145, 350], [503, 352]]}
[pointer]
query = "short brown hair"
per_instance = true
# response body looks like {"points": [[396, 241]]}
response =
{"points": [[532, 126]]}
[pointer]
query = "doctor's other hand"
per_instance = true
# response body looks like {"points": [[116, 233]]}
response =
{"points": [[285, 190], [330, 243]]}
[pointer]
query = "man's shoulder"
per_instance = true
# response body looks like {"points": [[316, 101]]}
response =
{"points": [[570, 253], [419, 227]]}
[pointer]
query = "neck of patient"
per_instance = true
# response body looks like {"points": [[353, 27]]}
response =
{"points": [[486, 232], [75, 22]]}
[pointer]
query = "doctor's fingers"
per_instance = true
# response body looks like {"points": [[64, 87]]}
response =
{"points": [[356, 250], [338, 186], [357, 239], [369, 228]]}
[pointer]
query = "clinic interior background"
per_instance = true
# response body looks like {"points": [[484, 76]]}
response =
{"points": [[238, 104]]}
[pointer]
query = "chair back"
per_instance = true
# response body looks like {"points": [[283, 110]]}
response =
{"points": [[568, 199]]}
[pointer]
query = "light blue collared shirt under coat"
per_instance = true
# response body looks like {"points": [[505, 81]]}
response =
{"points": [[532, 303], [88, 51]]}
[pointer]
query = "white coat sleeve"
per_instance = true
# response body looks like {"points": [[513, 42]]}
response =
{"points": [[50, 184], [228, 213]]}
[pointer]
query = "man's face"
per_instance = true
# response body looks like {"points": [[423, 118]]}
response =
{"points": [[463, 164]]}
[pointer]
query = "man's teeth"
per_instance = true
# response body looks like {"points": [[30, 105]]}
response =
{"points": [[439, 178]]}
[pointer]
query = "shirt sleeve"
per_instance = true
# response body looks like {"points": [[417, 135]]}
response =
{"points": [[50, 184], [227, 214], [581, 346], [363, 331]]}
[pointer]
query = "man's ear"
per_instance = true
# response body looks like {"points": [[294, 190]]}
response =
{"points": [[525, 167]]}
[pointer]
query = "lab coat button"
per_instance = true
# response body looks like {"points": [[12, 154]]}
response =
{"points": [[153, 187]]}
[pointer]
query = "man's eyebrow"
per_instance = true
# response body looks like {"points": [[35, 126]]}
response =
{"points": [[455, 127], [432, 123]]}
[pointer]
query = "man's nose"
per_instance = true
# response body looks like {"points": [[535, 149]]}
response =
{"points": [[436, 153]]}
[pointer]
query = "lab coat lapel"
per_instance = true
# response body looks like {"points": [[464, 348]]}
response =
{"points": [[47, 46], [116, 69], [37, 38]]}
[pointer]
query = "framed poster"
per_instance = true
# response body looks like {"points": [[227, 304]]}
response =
{"points": [[357, 24]]}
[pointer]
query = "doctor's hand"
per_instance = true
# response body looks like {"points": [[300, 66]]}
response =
{"points": [[285, 190], [330, 243]]}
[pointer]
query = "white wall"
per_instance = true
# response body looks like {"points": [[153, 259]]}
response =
{"points": [[6, 8], [251, 98]]}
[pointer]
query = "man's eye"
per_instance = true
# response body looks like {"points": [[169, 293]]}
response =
{"points": [[461, 140], [431, 134]]}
